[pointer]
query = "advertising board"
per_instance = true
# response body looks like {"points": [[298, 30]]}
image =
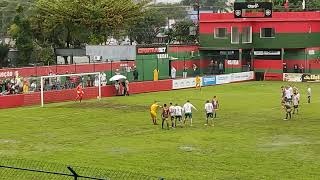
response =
{"points": [[209, 80], [183, 83], [292, 77]]}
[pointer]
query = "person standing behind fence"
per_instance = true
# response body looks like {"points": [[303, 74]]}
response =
{"points": [[155, 74], [117, 87], [195, 70], [127, 87], [220, 68], [211, 67], [173, 72], [135, 74], [185, 71]]}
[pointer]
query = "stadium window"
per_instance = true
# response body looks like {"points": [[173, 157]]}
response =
{"points": [[220, 33], [247, 34], [267, 33], [235, 35]]}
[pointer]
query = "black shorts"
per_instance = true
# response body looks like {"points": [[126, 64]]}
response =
{"points": [[172, 118], [210, 115], [188, 115], [178, 117], [296, 106]]}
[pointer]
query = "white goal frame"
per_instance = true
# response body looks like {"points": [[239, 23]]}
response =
{"points": [[65, 75]]}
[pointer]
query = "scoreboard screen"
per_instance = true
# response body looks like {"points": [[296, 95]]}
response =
{"points": [[252, 10]]}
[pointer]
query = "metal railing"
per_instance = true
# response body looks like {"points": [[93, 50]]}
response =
{"points": [[29, 169]]}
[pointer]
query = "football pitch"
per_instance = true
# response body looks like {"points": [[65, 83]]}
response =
{"points": [[250, 139]]}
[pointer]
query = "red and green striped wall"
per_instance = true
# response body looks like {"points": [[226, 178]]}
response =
{"points": [[292, 30]]}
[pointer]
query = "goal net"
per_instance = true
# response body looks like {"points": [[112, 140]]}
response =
{"points": [[57, 88]]}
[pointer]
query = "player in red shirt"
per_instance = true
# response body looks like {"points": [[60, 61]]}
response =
{"points": [[79, 93]]}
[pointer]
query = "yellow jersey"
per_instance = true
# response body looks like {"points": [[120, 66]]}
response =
{"points": [[154, 107], [155, 75], [198, 80]]}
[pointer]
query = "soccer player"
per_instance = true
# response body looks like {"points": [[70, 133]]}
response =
{"points": [[153, 112], [165, 115], [215, 104], [287, 108], [208, 107], [309, 94], [198, 82], [288, 94], [172, 115], [178, 114], [187, 108], [79, 93], [296, 101]]}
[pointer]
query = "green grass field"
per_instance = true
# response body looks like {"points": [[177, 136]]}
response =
{"points": [[250, 139]]}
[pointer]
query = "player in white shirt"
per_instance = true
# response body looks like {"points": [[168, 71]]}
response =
{"points": [[288, 94], [296, 101], [172, 115], [309, 94], [187, 108], [208, 107], [178, 113]]}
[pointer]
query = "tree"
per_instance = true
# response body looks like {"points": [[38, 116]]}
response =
{"points": [[21, 32], [146, 29], [184, 32], [4, 50]]}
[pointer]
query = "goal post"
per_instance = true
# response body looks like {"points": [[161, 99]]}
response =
{"points": [[55, 81]]}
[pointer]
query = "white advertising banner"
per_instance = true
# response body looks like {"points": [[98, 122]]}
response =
{"points": [[223, 79], [184, 83], [292, 77], [243, 76]]}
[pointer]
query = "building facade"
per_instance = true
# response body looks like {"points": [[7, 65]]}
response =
{"points": [[287, 42]]}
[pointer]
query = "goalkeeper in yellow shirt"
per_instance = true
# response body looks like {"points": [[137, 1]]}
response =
{"points": [[198, 82], [153, 112]]}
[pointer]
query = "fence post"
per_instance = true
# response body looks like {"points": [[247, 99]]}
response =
{"points": [[73, 173]]}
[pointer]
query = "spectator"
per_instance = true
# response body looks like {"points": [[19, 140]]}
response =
{"points": [[248, 66], [211, 67], [127, 87], [117, 72], [301, 68], [284, 67], [216, 67], [173, 72], [124, 88], [195, 70], [295, 68], [33, 86], [135, 74], [117, 87], [185, 71], [220, 68], [25, 86]]}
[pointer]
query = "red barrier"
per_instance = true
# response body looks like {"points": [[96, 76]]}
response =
{"points": [[11, 101], [62, 69], [150, 86], [90, 93]]}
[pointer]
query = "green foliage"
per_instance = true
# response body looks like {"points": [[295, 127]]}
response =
{"points": [[182, 32], [215, 3], [21, 32], [71, 23], [43, 54], [4, 50], [145, 29]]}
